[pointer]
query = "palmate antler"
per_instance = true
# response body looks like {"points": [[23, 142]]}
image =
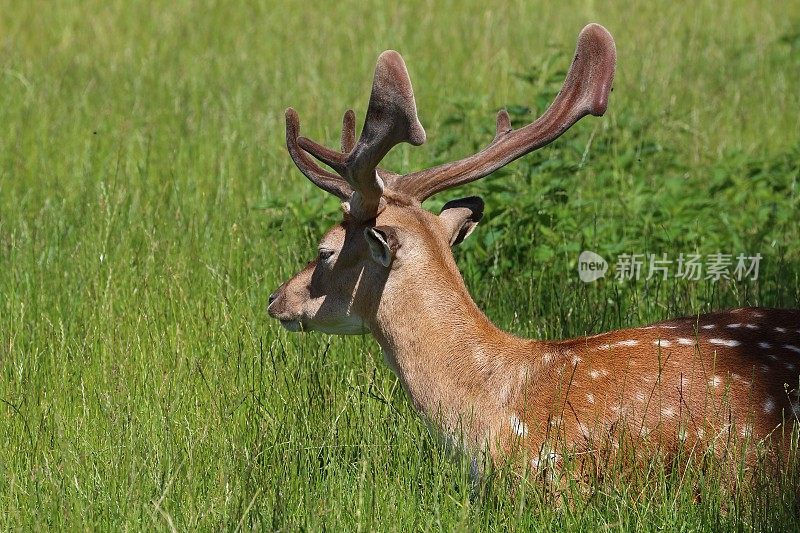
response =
{"points": [[392, 119]]}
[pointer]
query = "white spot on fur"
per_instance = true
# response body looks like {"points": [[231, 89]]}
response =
{"points": [[780, 330], [714, 381], [555, 421], [644, 431], [764, 345], [604, 347], [700, 433], [583, 429], [598, 373], [709, 326], [734, 326], [791, 347], [546, 458], [518, 426], [768, 405], [746, 431], [725, 342], [590, 397], [506, 391], [685, 341], [740, 379], [668, 412], [662, 343], [629, 342], [640, 396], [669, 327], [772, 357], [757, 315], [751, 326], [576, 360]]}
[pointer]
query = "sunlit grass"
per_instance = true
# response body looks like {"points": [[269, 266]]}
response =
{"points": [[148, 207]]}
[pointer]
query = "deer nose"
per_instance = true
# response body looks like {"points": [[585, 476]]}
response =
{"points": [[273, 297]]}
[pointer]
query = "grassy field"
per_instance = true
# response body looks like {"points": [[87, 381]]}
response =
{"points": [[148, 207]]}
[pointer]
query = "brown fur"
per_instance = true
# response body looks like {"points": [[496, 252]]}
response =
{"points": [[671, 384]]}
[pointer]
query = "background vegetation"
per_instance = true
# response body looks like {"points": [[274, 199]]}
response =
{"points": [[148, 207]]}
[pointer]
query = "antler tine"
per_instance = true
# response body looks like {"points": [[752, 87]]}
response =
{"points": [[323, 179], [348, 131], [391, 119], [503, 124], [585, 91]]}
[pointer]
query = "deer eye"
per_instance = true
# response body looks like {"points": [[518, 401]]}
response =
{"points": [[325, 254]]}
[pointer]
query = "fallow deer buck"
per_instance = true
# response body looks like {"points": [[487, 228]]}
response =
{"points": [[387, 269]]}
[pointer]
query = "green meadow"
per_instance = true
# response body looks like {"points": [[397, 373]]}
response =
{"points": [[148, 207]]}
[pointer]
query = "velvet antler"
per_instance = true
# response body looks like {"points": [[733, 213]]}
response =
{"points": [[392, 119], [585, 91]]}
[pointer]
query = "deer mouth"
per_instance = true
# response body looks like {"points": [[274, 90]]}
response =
{"points": [[289, 321]]}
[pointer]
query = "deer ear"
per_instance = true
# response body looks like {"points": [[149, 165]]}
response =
{"points": [[460, 217], [383, 243]]}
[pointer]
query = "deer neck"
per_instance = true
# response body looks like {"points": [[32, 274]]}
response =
{"points": [[460, 370]]}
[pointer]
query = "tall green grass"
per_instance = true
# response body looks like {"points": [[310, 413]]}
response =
{"points": [[148, 207]]}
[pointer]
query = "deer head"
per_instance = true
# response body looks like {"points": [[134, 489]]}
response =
{"points": [[388, 252]]}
